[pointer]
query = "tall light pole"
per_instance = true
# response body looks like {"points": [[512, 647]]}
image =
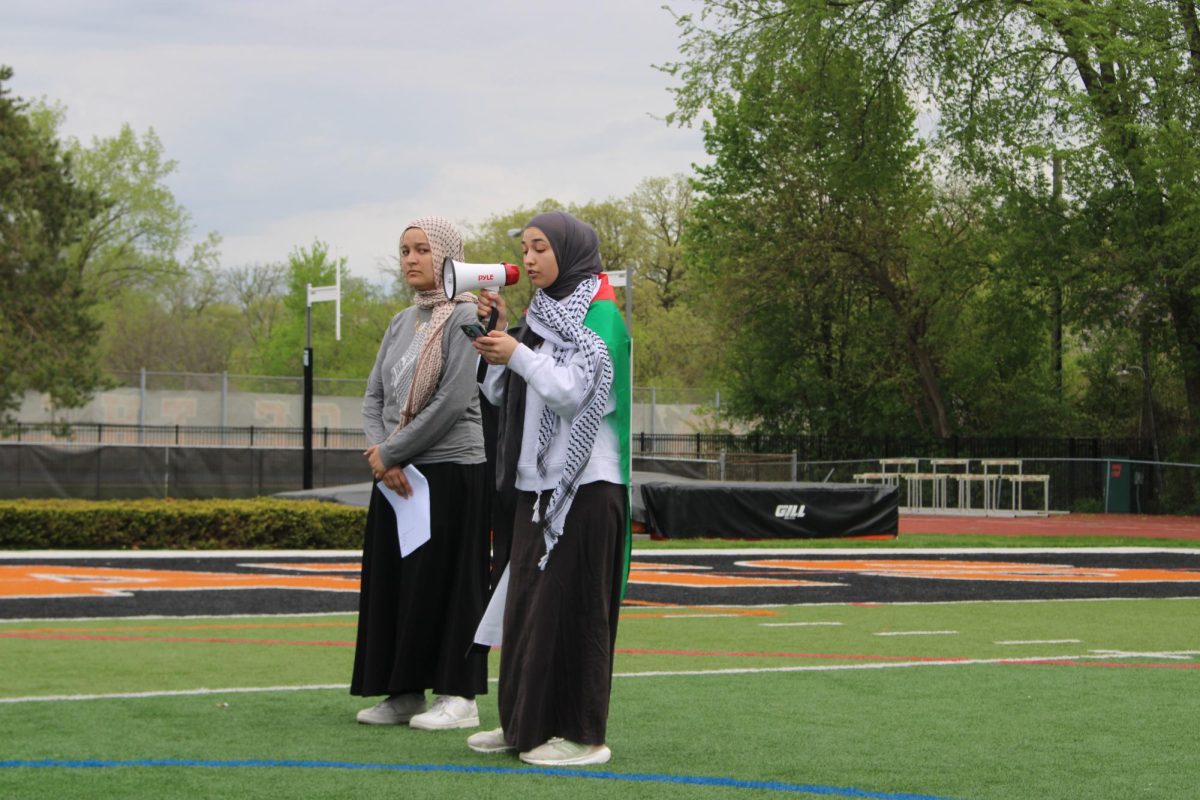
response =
{"points": [[316, 294]]}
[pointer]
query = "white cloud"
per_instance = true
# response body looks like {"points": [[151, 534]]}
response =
{"points": [[302, 120]]}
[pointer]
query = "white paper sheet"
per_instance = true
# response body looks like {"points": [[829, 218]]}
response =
{"points": [[412, 513], [492, 625]]}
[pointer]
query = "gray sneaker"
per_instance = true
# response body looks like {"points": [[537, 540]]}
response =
{"points": [[562, 753], [396, 710], [492, 741]]}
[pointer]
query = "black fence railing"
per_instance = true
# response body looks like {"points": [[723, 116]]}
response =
{"points": [[93, 433], [809, 448], [664, 445], [1078, 467]]}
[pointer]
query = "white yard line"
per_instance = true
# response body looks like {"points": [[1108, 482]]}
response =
{"points": [[169, 693], [950, 662], [1040, 641], [917, 633], [1180, 655], [799, 624]]}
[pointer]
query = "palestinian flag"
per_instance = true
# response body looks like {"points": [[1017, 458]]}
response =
{"points": [[605, 319]]}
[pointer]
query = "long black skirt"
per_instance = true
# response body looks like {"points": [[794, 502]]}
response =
{"points": [[417, 615], [560, 625]]}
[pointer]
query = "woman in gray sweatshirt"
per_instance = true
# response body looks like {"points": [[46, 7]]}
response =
{"points": [[417, 613]]}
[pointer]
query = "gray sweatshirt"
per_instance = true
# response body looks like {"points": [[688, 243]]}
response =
{"points": [[449, 428]]}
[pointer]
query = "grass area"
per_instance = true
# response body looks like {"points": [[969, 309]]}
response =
{"points": [[820, 700]]}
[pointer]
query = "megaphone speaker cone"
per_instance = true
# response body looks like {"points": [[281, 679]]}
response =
{"points": [[448, 277], [461, 276]]}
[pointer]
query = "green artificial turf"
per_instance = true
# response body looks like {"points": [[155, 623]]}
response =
{"points": [[857, 712]]}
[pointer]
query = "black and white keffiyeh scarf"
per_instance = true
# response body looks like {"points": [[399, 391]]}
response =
{"points": [[561, 326]]}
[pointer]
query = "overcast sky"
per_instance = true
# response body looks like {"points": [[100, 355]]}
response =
{"points": [[341, 121]]}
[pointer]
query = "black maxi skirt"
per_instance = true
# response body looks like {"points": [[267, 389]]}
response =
{"points": [[417, 615], [560, 625]]}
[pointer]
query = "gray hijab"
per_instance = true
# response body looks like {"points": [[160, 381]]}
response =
{"points": [[576, 248]]}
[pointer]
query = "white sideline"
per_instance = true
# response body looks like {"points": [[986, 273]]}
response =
{"points": [[1105, 655]]}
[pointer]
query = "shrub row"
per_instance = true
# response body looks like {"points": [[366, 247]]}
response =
{"points": [[259, 523]]}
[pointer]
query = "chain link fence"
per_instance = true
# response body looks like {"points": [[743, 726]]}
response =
{"points": [[210, 400]]}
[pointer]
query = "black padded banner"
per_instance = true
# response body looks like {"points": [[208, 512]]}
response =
{"points": [[770, 510]]}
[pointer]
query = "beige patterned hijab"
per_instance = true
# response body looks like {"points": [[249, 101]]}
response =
{"points": [[444, 240]]}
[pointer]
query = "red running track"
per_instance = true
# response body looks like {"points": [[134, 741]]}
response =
{"points": [[1128, 525]]}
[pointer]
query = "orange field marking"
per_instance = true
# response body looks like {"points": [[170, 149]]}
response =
{"points": [[711, 580], [638, 566], [983, 571], [42, 580], [46, 581], [350, 566], [675, 611], [204, 627]]}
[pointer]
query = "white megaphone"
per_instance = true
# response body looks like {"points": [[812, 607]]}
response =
{"points": [[460, 276]]}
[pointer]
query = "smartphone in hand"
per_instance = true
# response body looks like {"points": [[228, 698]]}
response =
{"points": [[474, 330]]}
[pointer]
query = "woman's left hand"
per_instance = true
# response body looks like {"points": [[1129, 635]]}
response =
{"points": [[497, 347], [393, 477]]}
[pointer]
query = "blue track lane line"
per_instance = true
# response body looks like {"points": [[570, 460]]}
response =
{"points": [[634, 777]]}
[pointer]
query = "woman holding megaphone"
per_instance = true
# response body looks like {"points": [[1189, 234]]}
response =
{"points": [[418, 611], [563, 389]]}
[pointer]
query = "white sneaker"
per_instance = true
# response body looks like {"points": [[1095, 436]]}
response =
{"points": [[396, 710], [562, 753], [448, 711], [489, 742]]}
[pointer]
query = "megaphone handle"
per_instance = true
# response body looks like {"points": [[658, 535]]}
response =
{"points": [[481, 370]]}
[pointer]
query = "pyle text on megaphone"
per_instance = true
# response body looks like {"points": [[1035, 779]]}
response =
{"points": [[462, 276]]}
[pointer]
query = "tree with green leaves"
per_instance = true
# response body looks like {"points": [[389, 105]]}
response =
{"points": [[158, 293], [1107, 90], [663, 204], [257, 290], [142, 238], [673, 347], [829, 253], [47, 327], [365, 316]]}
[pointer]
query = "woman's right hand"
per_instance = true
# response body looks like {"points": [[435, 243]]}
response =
{"points": [[488, 300]]}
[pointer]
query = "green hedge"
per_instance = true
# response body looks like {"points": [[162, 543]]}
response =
{"points": [[260, 523]]}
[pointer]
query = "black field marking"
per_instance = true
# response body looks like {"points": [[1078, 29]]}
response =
{"points": [[858, 587], [853, 586]]}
